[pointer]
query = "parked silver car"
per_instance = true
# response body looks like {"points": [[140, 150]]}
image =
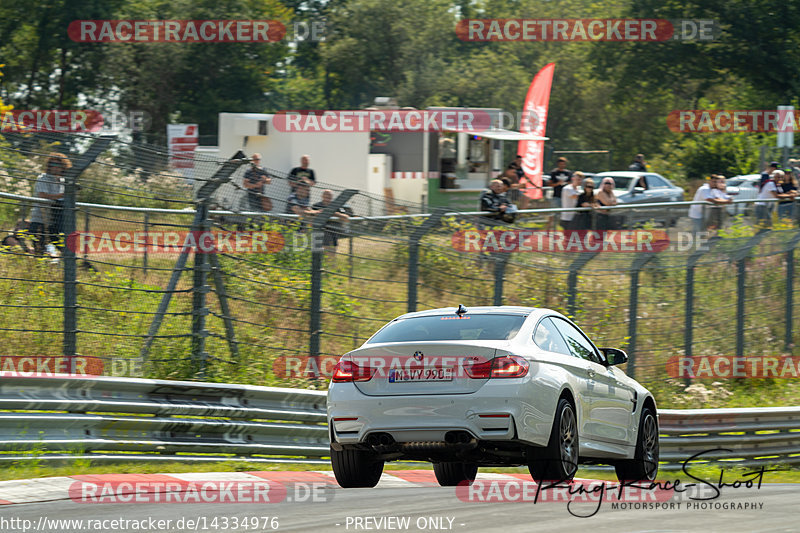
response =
{"points": [[743, 187], [644, 188]]}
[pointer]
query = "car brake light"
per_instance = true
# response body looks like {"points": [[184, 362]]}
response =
{"points": [[347, 371], [508, 366]]}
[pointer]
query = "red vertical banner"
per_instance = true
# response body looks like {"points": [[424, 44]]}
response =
{"points": [[534, 121]]}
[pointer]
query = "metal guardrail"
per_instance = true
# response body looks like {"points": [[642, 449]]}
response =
{"points": [[132, 419], [112, 419]]}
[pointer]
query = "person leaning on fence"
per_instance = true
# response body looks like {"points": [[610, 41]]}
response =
{"points": [[334, 227], [705, 193], [495, 203], [766, 190], [787, 191], [583, 219], [605, 197], [46, 219], [299, 202], [255, 178], [721, 197]]}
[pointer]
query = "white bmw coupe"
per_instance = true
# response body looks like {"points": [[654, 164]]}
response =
{"points": [[487, 386]]}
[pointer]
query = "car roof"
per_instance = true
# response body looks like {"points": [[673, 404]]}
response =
{"points": [[483, 310], [748, 177], [626, 173]]}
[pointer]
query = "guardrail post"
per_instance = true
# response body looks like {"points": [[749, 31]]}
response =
{"points": [[70, 273], [633, 307], [572, 280], [413, 254], [317, 253]]}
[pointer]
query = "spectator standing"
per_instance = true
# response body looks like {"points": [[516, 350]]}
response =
{"points": [[334, 227], [46, 219], [605, 197], [559, 178], [767, 190], [786, 187], [511, 175], [569, 199], [583, 219], [639, 164], [765, 176], [255, 178], [706, 193], [303, 172]]}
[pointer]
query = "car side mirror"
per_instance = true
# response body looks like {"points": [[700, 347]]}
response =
{"points": [[638, 190], [614, 356]]}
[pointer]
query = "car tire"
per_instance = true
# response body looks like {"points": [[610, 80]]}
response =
{"points": [[356, 468], [644, 465], [558, 461], [452, 474]]}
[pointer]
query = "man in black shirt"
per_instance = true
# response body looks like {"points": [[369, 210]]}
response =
{"points": [[559, 177], [301, 173], [495, 203], [638, 164]]}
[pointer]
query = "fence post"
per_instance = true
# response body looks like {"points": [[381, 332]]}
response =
{"points": [[146, 230], [221, 176], [572, 280], [199, 290], [788, 341], [739, 258], [633, 309], [82, 162], [500, 262], [317, 252], [413, 254], [688, 327]]}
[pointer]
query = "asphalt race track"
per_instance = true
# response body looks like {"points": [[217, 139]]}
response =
{"points": [[414, 503]]}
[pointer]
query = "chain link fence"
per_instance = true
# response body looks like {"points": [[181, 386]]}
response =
{"points": [[130, 288]]}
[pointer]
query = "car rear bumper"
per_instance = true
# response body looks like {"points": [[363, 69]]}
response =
{"points": [[495, 413]]}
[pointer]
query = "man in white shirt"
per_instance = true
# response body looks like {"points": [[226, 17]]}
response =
{"points": [[708, 192], [569, 199], [768, 190]]}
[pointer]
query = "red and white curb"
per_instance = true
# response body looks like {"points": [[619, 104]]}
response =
{"points": [[57, 488]]}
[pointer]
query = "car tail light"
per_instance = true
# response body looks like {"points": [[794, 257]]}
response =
{"points": [[346, 371], [508, 366]]}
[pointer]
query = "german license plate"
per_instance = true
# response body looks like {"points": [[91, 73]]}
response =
{"points": [[400, 375]]}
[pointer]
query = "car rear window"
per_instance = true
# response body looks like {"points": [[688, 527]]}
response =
{"points": [[450, 328]]}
